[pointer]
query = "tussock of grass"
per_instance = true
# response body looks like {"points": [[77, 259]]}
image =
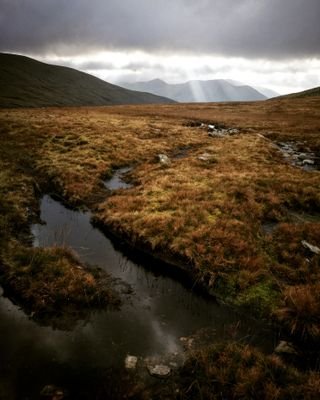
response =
{"points": [[52, 280], [233, 371]]}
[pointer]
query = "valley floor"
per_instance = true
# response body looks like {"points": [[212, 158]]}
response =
{"points": [[236, 206]]}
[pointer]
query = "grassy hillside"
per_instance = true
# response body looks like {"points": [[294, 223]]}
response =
{"points": [[301, 95], [26, 82]]}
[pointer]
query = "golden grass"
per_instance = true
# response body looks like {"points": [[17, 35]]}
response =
{"points": [[52, 281], [207, 216], [233, 371]]}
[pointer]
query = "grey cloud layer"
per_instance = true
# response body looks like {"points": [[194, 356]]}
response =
{"points": [[249, 28]]}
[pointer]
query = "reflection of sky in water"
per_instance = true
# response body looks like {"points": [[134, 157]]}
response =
{"points": [[116, 182], [160, 311]]}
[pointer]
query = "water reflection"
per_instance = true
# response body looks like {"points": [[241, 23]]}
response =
{"points": [[159, 312], [117, 182]]}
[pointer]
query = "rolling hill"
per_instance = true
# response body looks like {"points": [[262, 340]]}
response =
{"points": [[300, 95], [199, 91], [25, 82]]}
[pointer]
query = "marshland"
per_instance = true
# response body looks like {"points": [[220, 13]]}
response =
{"points": [[221, 237]]}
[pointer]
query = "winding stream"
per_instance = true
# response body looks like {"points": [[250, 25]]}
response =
{"points": [[150, 323]]}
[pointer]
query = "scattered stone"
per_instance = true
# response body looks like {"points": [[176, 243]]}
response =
{"points": [[303, 159], [308, 162], [216, 131], [285, 348], [187, 342], [130, 362], [164, 159], [173, 364], [51, 392], [312, 248], [159, 371], [205, 157]]}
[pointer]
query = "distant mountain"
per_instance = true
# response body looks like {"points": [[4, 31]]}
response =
{"points": [[25, 82], [265, 91], [198, 91], [305, 93]]}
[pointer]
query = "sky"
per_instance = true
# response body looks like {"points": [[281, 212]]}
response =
{"points": [[269, 43]]}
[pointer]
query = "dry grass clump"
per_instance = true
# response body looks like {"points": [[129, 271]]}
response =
{"points": [[301, 311], [52, 280], [298, 270], [294, 264], [233, 371]]}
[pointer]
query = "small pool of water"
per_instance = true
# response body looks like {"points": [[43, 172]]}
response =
{"points": [[150, 323], [117, 182]]}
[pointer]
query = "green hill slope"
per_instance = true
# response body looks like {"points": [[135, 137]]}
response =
{"points": [[299, 95], [25, 82]]}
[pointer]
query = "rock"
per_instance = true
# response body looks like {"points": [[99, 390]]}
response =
{"points": [[308, 162], [204, 157], [159, 371], [130, 362], [211, 127], [173, 364], [285, 348], [187, 342], [302, 156], [312, 248], [51, 392], [164, 159]]}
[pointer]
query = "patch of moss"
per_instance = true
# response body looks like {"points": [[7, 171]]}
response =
{"points": [[262, 298]]}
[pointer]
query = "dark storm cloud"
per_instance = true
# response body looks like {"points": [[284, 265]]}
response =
{"points": [[249, 28]]}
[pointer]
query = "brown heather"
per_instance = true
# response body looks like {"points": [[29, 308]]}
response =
{"points": [[209, 217], [233, 371]]}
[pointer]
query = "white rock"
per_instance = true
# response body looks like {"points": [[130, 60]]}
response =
{"points": [[130, 362], [312, 248], [204, 157], [164, 159], [308, 162], [159, 371]]}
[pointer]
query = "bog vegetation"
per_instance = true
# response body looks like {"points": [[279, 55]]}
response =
{"points": [[233, 211]]}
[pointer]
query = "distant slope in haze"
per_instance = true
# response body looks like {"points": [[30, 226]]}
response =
{"points": [[25, 82], [199, 91], [299, 95]]}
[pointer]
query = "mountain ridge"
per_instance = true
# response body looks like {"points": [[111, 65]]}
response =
{"points": [[26, 82], [198, 90]]}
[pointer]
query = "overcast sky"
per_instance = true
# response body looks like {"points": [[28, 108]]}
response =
{"points": [[272, 43]]}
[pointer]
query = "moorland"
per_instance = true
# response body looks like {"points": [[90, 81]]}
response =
{"points": [[236, 207]]}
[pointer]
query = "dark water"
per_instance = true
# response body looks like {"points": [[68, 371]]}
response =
{"points": [[117, 182], [150, 323]]}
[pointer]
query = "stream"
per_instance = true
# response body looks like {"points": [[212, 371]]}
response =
{"points": [[150, 323]]}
